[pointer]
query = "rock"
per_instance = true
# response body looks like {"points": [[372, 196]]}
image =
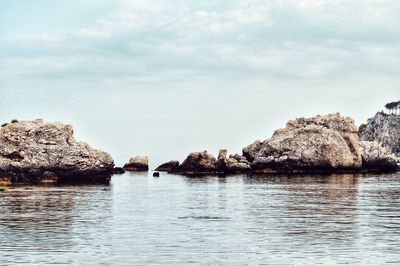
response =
{"points": [[377, 158], [231, 165], [318, 144], [198, 163], [239, 158], [251, 152], [29, 149], [168, 166], [138, 163], [118, 171], [384, 129], [156, 174]]}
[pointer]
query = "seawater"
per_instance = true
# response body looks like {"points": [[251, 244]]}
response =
{"points": [[174, 220]]}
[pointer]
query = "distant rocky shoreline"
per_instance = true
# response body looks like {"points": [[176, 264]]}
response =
{"points": [[41, 152]]}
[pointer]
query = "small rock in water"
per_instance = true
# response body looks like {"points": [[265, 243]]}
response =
{"points": [[156, 174]]}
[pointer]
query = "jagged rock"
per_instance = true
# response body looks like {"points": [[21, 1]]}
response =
{"points": [[239, 158], [317, 144], [231, 165], [168, 166], [376, 157], [251, 152], [35, 151], [384, 129], [138, 163], [197, 163]]}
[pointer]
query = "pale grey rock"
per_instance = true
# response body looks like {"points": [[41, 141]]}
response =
{"points": [[31, 150], [320, 143], [377, 157], [384, 129], [137, 163]]}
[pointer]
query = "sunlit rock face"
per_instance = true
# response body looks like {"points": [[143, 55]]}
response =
{"points": [[137, 164], [36, 151], [375, 157], [384, 129], [319, 144]]}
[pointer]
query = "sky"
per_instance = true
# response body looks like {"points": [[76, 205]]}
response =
{"points": [[165, 78]]}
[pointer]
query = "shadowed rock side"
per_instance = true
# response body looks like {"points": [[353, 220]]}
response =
{"points": [[38, 151], [384, 129], [321, 144], [137, 164], [168, 166], [377, 158]]}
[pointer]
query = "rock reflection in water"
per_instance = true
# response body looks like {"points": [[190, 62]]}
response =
{"points": [[232, 220]]}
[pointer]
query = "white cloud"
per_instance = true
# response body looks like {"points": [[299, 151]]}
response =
{"points": [[292, 39]]}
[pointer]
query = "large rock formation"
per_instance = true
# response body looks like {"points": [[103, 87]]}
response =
{"points": [[318, 144], [38, 151], [137, 164], [384, 129], [321, 143]]}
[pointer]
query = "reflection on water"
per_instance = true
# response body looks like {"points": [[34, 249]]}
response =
{"points": [[236, 220]]}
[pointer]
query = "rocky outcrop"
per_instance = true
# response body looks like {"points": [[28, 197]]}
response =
{"points": [[204, 163], [232, 164], [384, 129], [168, 166], [137, 164], [197, 163], [38, 151], [318, 144], [377, 158]]}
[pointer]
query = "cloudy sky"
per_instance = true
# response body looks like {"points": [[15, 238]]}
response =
{"points": [[164, 78]]}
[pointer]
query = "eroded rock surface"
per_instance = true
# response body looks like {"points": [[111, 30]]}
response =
{"points": [[38, 151], [375, 157], [320, 143], [384, 129]]}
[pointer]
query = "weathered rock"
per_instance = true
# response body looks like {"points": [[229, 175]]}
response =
{"points": [[231, 165], [138, 163], [168, 166], [197, 163], [239, 158], [317, 144], [384, 129], [31, 151], [375, 157]]}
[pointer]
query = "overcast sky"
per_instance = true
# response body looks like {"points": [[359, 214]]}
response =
{"points": [[164, 78]]}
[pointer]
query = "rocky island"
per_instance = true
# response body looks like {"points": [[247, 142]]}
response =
{"points": [[41, 152], [383, 128], [321, 144]]}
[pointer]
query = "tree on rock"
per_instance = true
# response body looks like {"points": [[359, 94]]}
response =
{"points": [[393, 107]]}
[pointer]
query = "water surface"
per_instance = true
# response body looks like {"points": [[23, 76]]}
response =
{"points": [[175, 220]]}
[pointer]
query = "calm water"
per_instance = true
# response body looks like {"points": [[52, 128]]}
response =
{"points": [[174, 220]]}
